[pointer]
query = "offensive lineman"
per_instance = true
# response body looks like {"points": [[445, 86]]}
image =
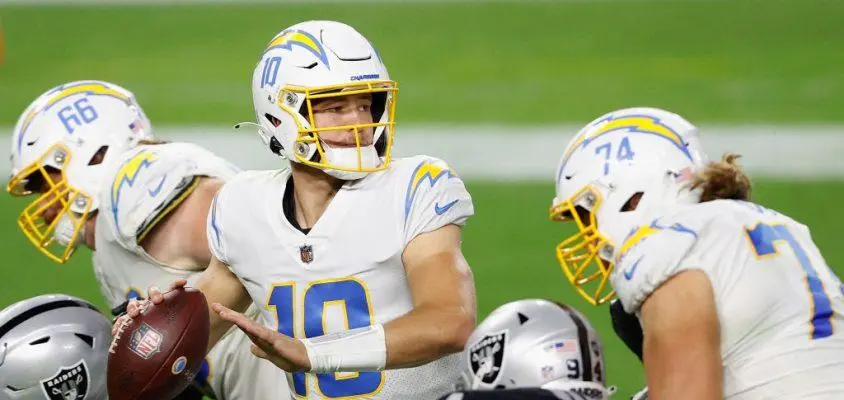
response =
{"points": [[735, 299], [86, 147]]}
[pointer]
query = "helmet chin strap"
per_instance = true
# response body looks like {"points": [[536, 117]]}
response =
{"points": [[340, 156], [348, 157], [64, 232]]}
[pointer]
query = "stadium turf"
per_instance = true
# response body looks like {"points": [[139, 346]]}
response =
{"points": [[516, 62]]}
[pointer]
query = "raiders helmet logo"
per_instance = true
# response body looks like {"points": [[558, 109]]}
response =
{"points": [[69, 383], [486, 357]]}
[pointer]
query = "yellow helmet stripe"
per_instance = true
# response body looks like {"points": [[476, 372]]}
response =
{"points": [[287, 39], [63, 92], [635, 124]]}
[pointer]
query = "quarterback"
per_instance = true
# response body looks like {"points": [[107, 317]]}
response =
{"points": [[353, 257], [85, 152], [735, 299]]}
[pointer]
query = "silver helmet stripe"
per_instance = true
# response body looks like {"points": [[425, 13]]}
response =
{"points": [[583, 342]]}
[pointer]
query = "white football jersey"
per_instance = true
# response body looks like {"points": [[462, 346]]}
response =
{"points": [[147, 183], [780, 306], [347, 272]]}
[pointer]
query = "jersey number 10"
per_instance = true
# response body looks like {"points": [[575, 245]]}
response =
{"points": [[353, 297]]}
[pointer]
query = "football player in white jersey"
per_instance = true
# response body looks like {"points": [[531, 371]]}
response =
{"points": [[85, 147], [735, 299], [353, 256]]}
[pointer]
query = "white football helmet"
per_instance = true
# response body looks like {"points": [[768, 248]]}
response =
{"points": [[72, 130], [317, 60], [646, 151]]}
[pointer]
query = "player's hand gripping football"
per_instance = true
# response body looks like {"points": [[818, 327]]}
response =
{"points": [[285, 352], [134, 307]]}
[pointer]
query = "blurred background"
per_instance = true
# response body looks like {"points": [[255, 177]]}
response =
{"points": [[495, 88]]}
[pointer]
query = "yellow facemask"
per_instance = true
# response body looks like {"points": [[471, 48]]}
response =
{"points": [[40, 219], [583, 256], [310, 135]]}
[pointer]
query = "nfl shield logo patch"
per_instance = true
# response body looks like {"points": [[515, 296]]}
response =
{"points": [[70, 383], [145, 341], [306, 253]]}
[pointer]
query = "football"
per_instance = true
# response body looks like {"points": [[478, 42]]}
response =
{"points": [[160, 352]]}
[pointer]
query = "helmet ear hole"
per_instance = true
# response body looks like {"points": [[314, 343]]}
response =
{"points": [[273, 120], [99, 156], [632, 202]]}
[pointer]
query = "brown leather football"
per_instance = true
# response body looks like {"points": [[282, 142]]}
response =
{"points": [[160, 352]]}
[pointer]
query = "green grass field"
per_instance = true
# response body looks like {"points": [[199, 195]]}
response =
{"points": [[503, 62], [737, 61]]}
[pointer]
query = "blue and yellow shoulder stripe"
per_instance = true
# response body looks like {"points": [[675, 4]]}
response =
{"points": [[126, 177], [427, 172], [641, 233]]}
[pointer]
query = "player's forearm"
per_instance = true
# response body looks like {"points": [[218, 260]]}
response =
{"points": [[217, 286], [443, 293], [439, 324], [426, 334], [421, 336]]}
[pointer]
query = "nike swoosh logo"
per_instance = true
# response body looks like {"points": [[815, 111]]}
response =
{"points": [[628, 273], [442, 210], [154, 192], [32, 142]]}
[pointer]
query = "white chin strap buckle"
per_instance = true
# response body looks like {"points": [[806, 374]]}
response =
{"points": [[64, 232]]}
